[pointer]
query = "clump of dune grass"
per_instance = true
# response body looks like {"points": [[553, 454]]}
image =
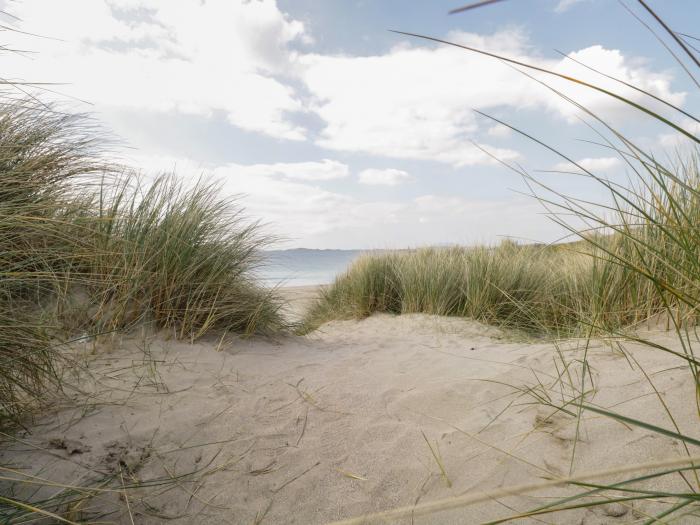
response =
{"points": [[87, 247], [40, 152], [180, 257], [537, 289]]}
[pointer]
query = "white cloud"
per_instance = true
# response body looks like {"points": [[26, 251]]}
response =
{"points": [[292, 206], [416, 101], [412, 102], [499, 131], [186, 56], [611, 62], [565, 5], [305, 214], [246, 60], [440, 219], [594, 165], [238, 58], [309, 171], [675, 141], [385, 177]]}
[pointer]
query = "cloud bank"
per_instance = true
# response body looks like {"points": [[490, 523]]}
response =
{"points": [[252, 63], [261, 69]]}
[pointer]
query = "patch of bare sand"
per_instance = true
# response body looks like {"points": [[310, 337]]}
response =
{"points": [[298, 299], [313, 429]]}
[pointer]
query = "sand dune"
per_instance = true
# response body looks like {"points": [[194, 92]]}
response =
{"points": [[337, 424]]}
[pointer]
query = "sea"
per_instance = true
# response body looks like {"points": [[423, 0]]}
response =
{"points": [[304, 267]]}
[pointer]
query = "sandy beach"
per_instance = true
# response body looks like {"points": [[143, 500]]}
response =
{"points": [[298, 300], [355, 418], [349, 263]]}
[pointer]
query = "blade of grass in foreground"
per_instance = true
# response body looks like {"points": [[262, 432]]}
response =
{"points": [[34, 510], [473, 6], [473, 498]]}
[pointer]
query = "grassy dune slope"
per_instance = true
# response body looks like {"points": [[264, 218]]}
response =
{"points": [[85, 248], [555, 290]]}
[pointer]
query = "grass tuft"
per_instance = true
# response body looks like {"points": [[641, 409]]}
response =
{"points": [[87, 247], [554, 290]]}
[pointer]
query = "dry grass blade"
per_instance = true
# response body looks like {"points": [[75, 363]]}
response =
{"points": [[294, 478], [633, 87], [438, 459], [126, 496], [350, 475], [663, 43], [34, 510], [672, 33], [473, 5], [473, 498]]}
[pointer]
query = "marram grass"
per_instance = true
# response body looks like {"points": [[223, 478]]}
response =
{"points": [[537, 289], [87, 247], [181, 258]]}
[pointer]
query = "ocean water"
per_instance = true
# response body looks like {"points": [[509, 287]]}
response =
{"points": [[303, 267]]}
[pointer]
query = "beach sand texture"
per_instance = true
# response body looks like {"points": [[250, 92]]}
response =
{"points": [[348, 421]]}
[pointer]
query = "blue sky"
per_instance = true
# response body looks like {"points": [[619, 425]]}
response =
{"points": [[339, 133]]}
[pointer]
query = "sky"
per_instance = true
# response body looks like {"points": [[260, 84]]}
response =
{"points": [[338, 133]]}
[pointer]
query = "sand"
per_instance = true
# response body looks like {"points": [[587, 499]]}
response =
{"points": [[345, 422], [298, 300]]}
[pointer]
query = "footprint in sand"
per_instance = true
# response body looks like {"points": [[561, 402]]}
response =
{"points": [[558, 425]]}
